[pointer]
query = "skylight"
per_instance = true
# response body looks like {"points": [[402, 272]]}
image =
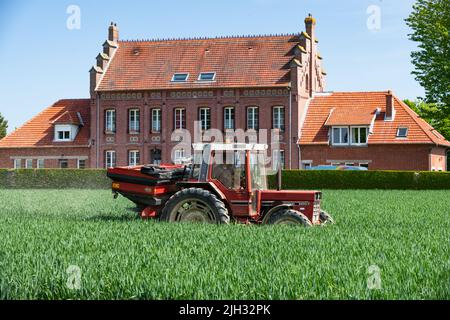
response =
{"points": [[180, 77], [207, 76], [402, 133]]}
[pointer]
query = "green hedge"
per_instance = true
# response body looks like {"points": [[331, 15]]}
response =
{"points": [[302, 179], [54, 179], [292, 179]]}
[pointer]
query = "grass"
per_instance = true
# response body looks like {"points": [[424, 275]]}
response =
{"points": [[405, 233]]}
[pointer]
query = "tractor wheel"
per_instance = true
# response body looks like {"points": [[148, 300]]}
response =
{"points": [[289, 216], [325, 218], [195, 205]]}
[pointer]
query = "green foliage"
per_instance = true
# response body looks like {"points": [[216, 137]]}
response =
{"points": [[43, 232], [53, 179], [430, 23], [438, 118], [3, 126], [311, 179]]}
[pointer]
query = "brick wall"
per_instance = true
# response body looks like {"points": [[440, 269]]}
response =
{"points": [[379, 157], [50, 156], [121, 141]]}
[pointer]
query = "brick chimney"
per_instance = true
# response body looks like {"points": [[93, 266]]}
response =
{"points": [[390, 109], [310, 25], [113, 33]]}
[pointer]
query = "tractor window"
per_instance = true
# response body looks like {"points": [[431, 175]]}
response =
{"points": [[230, 170], [258, 171]]}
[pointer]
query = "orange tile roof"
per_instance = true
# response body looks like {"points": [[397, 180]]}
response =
{"points": [[259, 61], [350, 116], [384, 132], [39, 131], [68, 117]]}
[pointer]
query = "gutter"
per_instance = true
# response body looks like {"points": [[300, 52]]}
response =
{"points": [[97, 125], [290, 128]]}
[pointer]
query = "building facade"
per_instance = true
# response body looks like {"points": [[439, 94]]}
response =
{"points": [[142, 92]]}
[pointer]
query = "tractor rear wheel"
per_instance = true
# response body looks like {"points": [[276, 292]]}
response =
{"points": [[325, 218], [289, 217], [195, 205]]}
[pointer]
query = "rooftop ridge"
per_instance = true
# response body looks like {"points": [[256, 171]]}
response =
{"points": [[213, 38]]}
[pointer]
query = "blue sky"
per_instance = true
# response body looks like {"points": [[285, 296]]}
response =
{"points": [[41, 60]]}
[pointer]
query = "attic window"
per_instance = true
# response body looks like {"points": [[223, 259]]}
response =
{"points": [[180, 77], [402, 133], [207, 76]]}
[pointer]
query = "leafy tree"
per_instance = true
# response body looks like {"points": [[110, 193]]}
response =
{"points": [[437, 117], [430, 22], [3, 126]]}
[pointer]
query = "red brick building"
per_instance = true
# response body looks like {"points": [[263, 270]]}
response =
{"points": [[144, 91]]}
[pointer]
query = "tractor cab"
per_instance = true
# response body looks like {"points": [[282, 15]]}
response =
{"points": [[238, 174]]}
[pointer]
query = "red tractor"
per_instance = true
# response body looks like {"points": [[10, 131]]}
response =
{"points": [[212, 190]]}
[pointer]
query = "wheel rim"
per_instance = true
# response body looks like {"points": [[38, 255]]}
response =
{"points": [[287, 221], [193, 210]]}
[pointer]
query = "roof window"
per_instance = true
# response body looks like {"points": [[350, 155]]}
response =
{"points": [[180, 77], [207, 76], [402, 132]]}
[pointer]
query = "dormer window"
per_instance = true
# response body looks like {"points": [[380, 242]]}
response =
{"points": [[65, 133], [180, 77], [207, 76], [402, 132]]}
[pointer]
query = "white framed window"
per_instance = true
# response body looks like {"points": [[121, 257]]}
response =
{"points": [[40, 163], [179, 118], [110, 121], [278, 118], [306, 164], [156, 120], [29, 164], [81, 164], [134, 120], [110, 159], [207, 76], [364, 165], [63, 133], [402, 132], [339, 136], [133, 158], [17, 163], [228, 118], [278, 158], [180, 77], [359, 135], [253, 118], [204, 115], [178, 155]]}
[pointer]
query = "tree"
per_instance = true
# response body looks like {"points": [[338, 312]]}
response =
{"points": [[437, 117], [430, 22], [3, 126]]}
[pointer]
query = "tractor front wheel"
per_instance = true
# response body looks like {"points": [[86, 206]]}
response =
{"points": [[289, 217], [195, 205], [325, 218]]}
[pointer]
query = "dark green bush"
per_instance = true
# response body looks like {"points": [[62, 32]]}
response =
{"points": [[302, 179], [53, 179], [292, 179]]}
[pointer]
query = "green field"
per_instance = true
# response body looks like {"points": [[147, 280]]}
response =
{"points": [[406, 234]]}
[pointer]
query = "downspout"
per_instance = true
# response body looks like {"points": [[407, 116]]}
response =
{"points": [[98, 131], [290, 128]]}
